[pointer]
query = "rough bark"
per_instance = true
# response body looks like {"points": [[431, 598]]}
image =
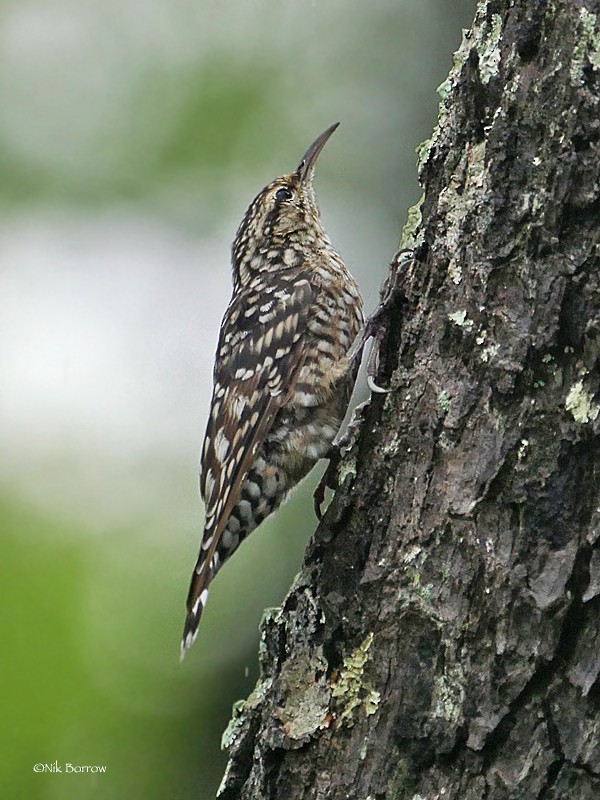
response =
{"points": [[441, 640]]}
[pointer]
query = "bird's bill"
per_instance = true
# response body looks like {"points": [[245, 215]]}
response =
{"points": [[306, 166]]}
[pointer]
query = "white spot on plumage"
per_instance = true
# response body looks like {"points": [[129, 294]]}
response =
{"points": [[238, 405], [305, 399], [233, 524], [221, 445], [290, 256], [324, 346], [270, 484], [274, 382], [253, 489], [328, 432], [278, 332], [245, 510], [188, 641], [200, 601], [223, 497], [229, 540], [239, 373], [209, 482]]}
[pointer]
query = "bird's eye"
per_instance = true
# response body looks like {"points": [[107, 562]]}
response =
{"points": [[283, 194]]}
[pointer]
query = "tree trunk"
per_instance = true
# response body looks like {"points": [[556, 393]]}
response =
{"points": [[442, 638]]}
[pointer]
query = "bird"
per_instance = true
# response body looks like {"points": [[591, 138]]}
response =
{"points": [[282, 377]]}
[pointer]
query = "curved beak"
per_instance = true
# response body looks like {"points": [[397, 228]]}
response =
{"points": [[306, 166]]}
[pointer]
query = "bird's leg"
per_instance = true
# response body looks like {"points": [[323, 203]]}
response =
{"points": [[372, 329], [329, 480]]}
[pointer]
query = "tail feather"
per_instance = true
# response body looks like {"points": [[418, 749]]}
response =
{"points": [[196, 602]]}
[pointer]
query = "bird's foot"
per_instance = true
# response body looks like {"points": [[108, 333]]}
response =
{"points": [[338, 449], [328, 479], [373, 327]]}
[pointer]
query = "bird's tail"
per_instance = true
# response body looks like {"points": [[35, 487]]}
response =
{"points": [[196, 601]]}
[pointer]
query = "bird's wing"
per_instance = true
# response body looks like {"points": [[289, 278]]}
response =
{"points": [[259, 356]]}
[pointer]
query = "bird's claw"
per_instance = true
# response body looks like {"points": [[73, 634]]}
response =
{"points": [[373, 328]]}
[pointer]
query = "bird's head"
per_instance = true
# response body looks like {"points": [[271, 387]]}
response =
{"points": [[282, 221]]}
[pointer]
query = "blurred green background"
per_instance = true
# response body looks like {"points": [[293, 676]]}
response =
{"points": [[132, 137]]}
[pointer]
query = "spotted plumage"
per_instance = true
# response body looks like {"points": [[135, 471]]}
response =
{"points": [[282, 378]]}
